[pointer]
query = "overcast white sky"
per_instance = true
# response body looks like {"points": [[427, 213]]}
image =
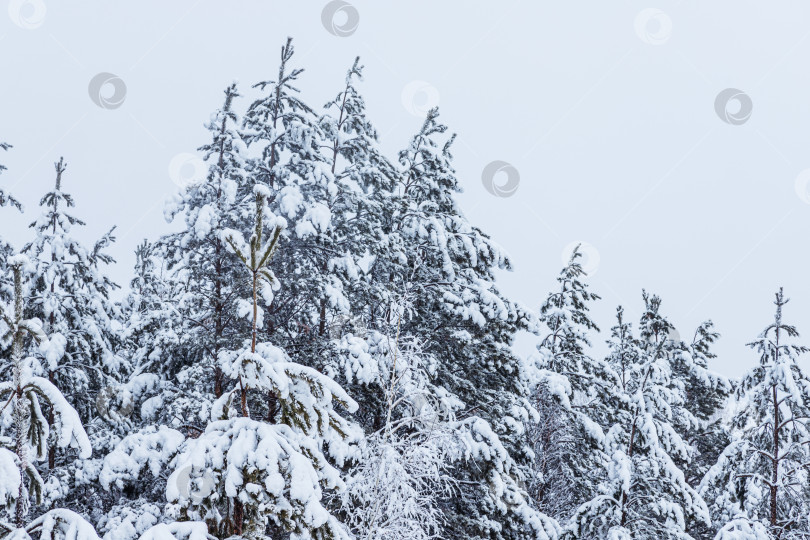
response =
{"points": [[606, 110]]}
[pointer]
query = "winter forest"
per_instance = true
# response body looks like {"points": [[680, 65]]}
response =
{"points": [[320, 351]]}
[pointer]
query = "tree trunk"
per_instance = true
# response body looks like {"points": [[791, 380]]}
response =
{"points": [[775, 459], [625, 494], [51, 378], [218, 330], [272, 408], [238, 517], [52, 448], [322, 323], [19, 413]]}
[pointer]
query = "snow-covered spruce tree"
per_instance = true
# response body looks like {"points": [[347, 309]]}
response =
{"points": [[363, 180], [71, 295], [268, 472], [706, 395], [645, 495], [294, 165], [25, 430], [565, 314], [199, 260], [762, 475], [467, 326], [571, 393], [6, 286], [132, 474], [347, 137], [153, 325], [5, 198]]}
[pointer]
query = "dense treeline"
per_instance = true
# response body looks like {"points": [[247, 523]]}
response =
{"points": [[321, 352]]}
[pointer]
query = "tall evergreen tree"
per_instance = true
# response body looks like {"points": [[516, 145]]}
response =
{"points": [[364, 181], [571, 392], [447, 267], [152, 333], [25, 431], [6, 199], [761, 477], [267, 471], [199, 259], [706, 395], [71, 295], [150, 308], [645, 494], [286, 132]]}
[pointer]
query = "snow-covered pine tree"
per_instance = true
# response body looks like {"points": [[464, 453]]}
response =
{"points": [[199, 260], [294, 165], [741, 528], [761, 478], [348, 137], [645, 494], [5, 198], [565, 314], [706, 396], [25, 431], [126, 485], [6, 286], [268, 472], [153, 324], [363, 179], [71, 295], [571, 392], [447, 268]]}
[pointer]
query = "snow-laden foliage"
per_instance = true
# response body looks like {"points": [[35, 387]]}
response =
{"points": [[205, 276], [128, 522], [271, 472], [706, 395], [644, 492], [5, 198], [148, 450], [741, 528], [25, 430], [446, 266], [405, 467], [178, 530], [70, 294], [570, 393], [402, 473], [245, 472], [762, 474]]}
